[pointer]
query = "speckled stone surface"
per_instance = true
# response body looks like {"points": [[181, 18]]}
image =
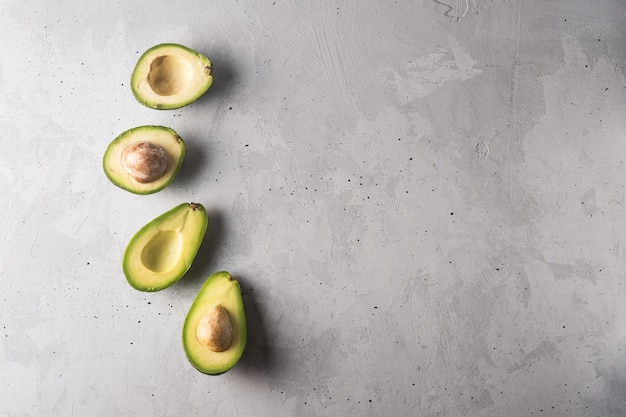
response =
{"points": [[423, 201]]}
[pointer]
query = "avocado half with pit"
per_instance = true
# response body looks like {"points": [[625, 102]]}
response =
{"points": [[162, 251], [170, 76], [145, 159], [215, 332]]}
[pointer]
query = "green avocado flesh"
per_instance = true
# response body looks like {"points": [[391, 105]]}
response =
{"points": [[170, 76], [163, 250], [144, 159], [220, 289]]}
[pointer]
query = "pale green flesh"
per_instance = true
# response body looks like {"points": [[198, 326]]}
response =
{"points": [[163, 250], [170, 76], [165, 137], [219, 288]]}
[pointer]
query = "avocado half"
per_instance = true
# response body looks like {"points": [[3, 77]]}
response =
{"points": [[170, 76], [162, 251], [205, 322], [144, 159]]}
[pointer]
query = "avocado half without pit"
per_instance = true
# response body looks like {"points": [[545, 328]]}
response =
{"points": [[215, 332], [170, 76], [145, 159], [162, 251]]}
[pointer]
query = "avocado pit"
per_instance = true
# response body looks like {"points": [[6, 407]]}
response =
{"points": [[144, 161], [215, 330]]}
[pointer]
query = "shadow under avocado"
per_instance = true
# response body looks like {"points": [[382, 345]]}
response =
{"points": [[258, 355], [224, 75], [196, 157], [204, 264]]}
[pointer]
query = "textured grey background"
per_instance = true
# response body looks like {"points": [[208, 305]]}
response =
{"points": [[423, 201]]}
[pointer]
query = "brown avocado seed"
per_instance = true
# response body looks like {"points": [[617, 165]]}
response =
{"points": [[144, 161], [215, 329]]}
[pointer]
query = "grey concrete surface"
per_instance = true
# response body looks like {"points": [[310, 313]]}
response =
{"points": [[424, 202]]}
